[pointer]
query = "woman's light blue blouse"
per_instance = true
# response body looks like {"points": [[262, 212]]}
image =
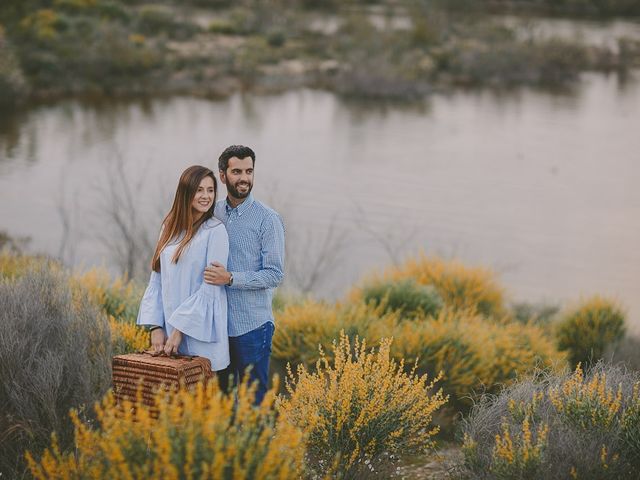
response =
{"points": [[178, 298]]}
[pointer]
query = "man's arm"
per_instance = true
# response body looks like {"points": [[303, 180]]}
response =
{"points": [[272, 253]]}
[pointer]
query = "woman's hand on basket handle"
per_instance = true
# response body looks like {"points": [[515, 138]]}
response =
{"points": [[157, 339], [173, 342]]}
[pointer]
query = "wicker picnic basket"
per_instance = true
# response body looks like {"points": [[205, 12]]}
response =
{"points": [[150, 371]]}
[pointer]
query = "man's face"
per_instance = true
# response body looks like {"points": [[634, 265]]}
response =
{"points": [[239, 177]]}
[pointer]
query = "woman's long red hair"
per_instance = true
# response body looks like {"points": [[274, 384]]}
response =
{"points": [[180, 219]]}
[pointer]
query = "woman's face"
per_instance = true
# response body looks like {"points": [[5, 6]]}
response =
{"points": [[204, 197]]}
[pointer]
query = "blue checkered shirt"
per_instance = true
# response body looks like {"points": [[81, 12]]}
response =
{"points": [[256, 260]]}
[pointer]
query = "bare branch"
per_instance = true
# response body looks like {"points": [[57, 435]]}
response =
{"points": [[312, 259], [394, 241], [68, 215], [125, 231]]}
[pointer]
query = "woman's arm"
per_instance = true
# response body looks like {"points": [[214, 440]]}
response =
{"points": [[151, 312], [198, 315]]}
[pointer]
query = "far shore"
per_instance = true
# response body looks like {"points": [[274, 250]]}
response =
{"points": [[156, 50]]}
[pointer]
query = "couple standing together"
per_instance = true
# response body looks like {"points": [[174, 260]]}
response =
{"points": [[214, 270]]}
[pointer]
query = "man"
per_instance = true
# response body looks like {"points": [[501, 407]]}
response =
{"points": [[256, 267]]}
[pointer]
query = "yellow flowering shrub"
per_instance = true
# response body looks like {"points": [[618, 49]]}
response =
{"points": [[303, 327], [515, 350], [587, 330], [442, 345], [118, 297], [475, 355], [13, 266], [42, 24], [200, 434], [359, 407], [127, 337], [459, 286], [137, 39], [588, 403], [519, 455], [578, 425]]}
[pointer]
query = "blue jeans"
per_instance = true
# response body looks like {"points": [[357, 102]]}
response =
{"points": [[253, 349]]}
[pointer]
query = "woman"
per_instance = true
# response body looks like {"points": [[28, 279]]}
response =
{"points": [[186, 315]]}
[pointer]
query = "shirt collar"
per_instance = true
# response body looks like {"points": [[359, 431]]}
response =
{"points": [[243, 207]]}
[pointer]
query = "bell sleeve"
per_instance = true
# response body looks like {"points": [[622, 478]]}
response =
{"points": [[151, 311], [203, 315]]}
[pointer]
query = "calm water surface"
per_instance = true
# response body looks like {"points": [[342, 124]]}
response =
{"points": [[542, 188]]}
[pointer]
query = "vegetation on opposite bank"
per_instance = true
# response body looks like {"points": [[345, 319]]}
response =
{"points": [[399, 50]]}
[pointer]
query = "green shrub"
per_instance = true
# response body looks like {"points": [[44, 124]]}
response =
{"points": [[512, 62], [14, 10], [13, 85], [107, 8], [540, 314], [461, 287], [74, 52], [580, 8], [558, 427], [276, 38], [244, 21], [211, 3], [586, 331], [405, 296], [225, 27], [595, 7], [154, 20], [239, 20], [55, 354], [113, 10]]}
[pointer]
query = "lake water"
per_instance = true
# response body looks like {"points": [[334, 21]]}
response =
{"points": [[542, 188]]}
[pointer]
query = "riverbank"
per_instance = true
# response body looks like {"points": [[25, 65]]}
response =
{"points": [[595, 9], [400, 52]]}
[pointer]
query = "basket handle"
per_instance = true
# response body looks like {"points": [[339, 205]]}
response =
{"points": [[164, 354]]}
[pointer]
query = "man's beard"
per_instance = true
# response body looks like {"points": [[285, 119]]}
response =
{"points": [[232, 190]]}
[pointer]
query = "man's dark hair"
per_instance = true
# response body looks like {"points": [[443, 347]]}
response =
{"points": [[238, 151]]}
